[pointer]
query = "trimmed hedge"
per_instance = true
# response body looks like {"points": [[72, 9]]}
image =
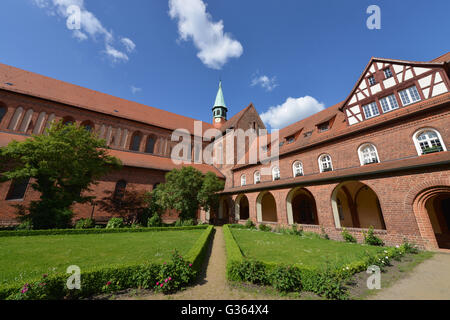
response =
{"points": [[26, 233], [327, 282], [117, 277]]}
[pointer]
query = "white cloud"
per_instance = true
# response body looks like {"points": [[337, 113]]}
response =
{"points": [[292, 110], [135, 90], [129, 44], [215, 47], [265, 82], [90, 26]]}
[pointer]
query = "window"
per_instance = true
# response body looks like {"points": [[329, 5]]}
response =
{"points": [[297, 169], [389, 103], [243, 180], [290, 139], [325, 163], [371, 110], [2, 113], [257, 177], [281, 143], [428, 141], [68, 121], [307, 134], [150, 146], [323, 127], [135, 142], [17, 189], [409, 95], [88, 126], [372, 81], [368, 154], [119, 192], [387, 73], [276, 173]]}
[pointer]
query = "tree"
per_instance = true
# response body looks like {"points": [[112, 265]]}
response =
{"points": [[187, 189], [63, 164], [208, 196]]}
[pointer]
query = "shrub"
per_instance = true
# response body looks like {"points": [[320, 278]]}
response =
{"points": [[115, 223], [285, 278], [85, 224], [154, 221], [371, 239], [26, 225], [32, 291], [409, 247], [175, 275], [249, 224], [248, 271], [265, 228], [347, 236], [296, 230]]}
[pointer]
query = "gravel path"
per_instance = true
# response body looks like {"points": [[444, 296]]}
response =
{"points": [[213, 284], [428, 281]]}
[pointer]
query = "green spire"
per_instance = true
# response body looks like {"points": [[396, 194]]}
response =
{"points": [[220, 101]]}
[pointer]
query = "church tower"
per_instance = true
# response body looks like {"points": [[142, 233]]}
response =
{"points": [[219, 109]]}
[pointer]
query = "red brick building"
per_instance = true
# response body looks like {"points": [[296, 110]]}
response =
{"points": [[379, 158]]}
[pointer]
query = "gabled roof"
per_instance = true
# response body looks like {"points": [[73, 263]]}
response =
{"points": [[235, 119], [444, 58], [40, 86], [373, 60]]}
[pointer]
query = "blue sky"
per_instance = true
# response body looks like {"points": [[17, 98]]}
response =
{"points": [[298, 55]]}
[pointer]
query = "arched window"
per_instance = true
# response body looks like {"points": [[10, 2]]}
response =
{"points": [[17, 189], [150, 146], [297, 169], [119, 192], [368, 154], [428, 141], [276, 173], [243, 180], [325, 163], [2, 113], [68, 121], [88, 125], [257, 177], [135, 141]]}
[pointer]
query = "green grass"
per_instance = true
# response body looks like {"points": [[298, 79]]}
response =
{"points": [[23, 258], [310, 251]]}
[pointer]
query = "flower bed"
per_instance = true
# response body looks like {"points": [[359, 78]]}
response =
{"points": [[327, 282], [166, 277]]}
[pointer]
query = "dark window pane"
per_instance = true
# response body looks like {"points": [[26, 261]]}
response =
{"points": [[17, 189], [136, 142], [2, 113], [150, 148], [120, 189]]}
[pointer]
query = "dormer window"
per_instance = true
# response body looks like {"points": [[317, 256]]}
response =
{"points": [[371, 110], [387, 73], [281, 143], [307, 134], [290, 139], [372, 81], [409, 95], [324, 127]]}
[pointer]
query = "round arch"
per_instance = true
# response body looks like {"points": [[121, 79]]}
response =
{"points": [[266, 207], [301, 207], [356, 205], [241, 208]]}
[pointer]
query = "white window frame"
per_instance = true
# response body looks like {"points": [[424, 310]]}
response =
{"points": [[276, 173], [417, 142], [361, 154], [330, 162], [388, 100], [294, 169], [371, 107], [257, 177], [409, 96], [243, 180]]}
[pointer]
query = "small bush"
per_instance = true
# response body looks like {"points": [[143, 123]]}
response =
{"points": [[115, 223], [286, 279], [409, 247], [26, 225], [371, 239], [175, 275], [296, 230], [323, 234], [248, 271], [85, 224], [347, 236], [154, 221], [265, 228], [249, 224]]}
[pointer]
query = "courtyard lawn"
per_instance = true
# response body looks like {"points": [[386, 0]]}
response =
{"points": [[25, 258], [304, 250]]}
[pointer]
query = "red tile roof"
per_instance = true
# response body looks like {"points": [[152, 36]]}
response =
{"points": [[40, 86], [130, 159], [444, 58]]}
